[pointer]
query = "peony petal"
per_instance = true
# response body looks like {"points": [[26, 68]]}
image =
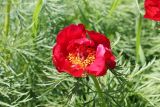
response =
{"points": [[110, 59], [62, 64], [83, 42], [99, 38], [69, 33], [75, 71], [152, 8], [58, 57], [98, 67]]}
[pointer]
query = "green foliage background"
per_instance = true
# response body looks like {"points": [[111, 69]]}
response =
{"points": [[27, 33]]}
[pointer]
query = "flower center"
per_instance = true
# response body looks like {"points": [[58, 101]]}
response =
{"points": [[82, 61]]}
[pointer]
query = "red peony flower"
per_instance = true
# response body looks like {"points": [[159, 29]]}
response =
{"points": [[152, 8], [80, 52]]}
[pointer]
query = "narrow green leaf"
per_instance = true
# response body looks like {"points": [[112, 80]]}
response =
{"points": [[113, 6], [35, 16], [138, 36], [7, 18], [3, 104]]}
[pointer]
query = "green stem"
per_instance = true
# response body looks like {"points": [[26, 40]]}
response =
{"points": [[98, 90], [138, 36], [7, 18], [35, 19]]}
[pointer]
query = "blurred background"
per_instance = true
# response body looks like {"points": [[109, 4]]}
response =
{"points": [[27, 34]]}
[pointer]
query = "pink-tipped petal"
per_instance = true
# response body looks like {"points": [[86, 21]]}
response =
{"points": [[98, 67]]}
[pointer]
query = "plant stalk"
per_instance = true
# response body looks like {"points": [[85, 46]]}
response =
{"points": [[7, 18], [97, 86], [138, 37]]}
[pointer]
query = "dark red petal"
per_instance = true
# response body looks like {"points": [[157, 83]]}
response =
{"points": [[83, 42], [98, 67], [69, 33], [152, 8], [110, 59], [155, 18], [99, 38], [62, 64], [58, 57], [75, 71]]}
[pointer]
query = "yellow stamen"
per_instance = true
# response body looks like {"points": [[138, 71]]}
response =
{"points": [[75, 59]]}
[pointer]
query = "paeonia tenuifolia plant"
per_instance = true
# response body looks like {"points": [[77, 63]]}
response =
{"points": [[152, 8], [80, 52]]}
